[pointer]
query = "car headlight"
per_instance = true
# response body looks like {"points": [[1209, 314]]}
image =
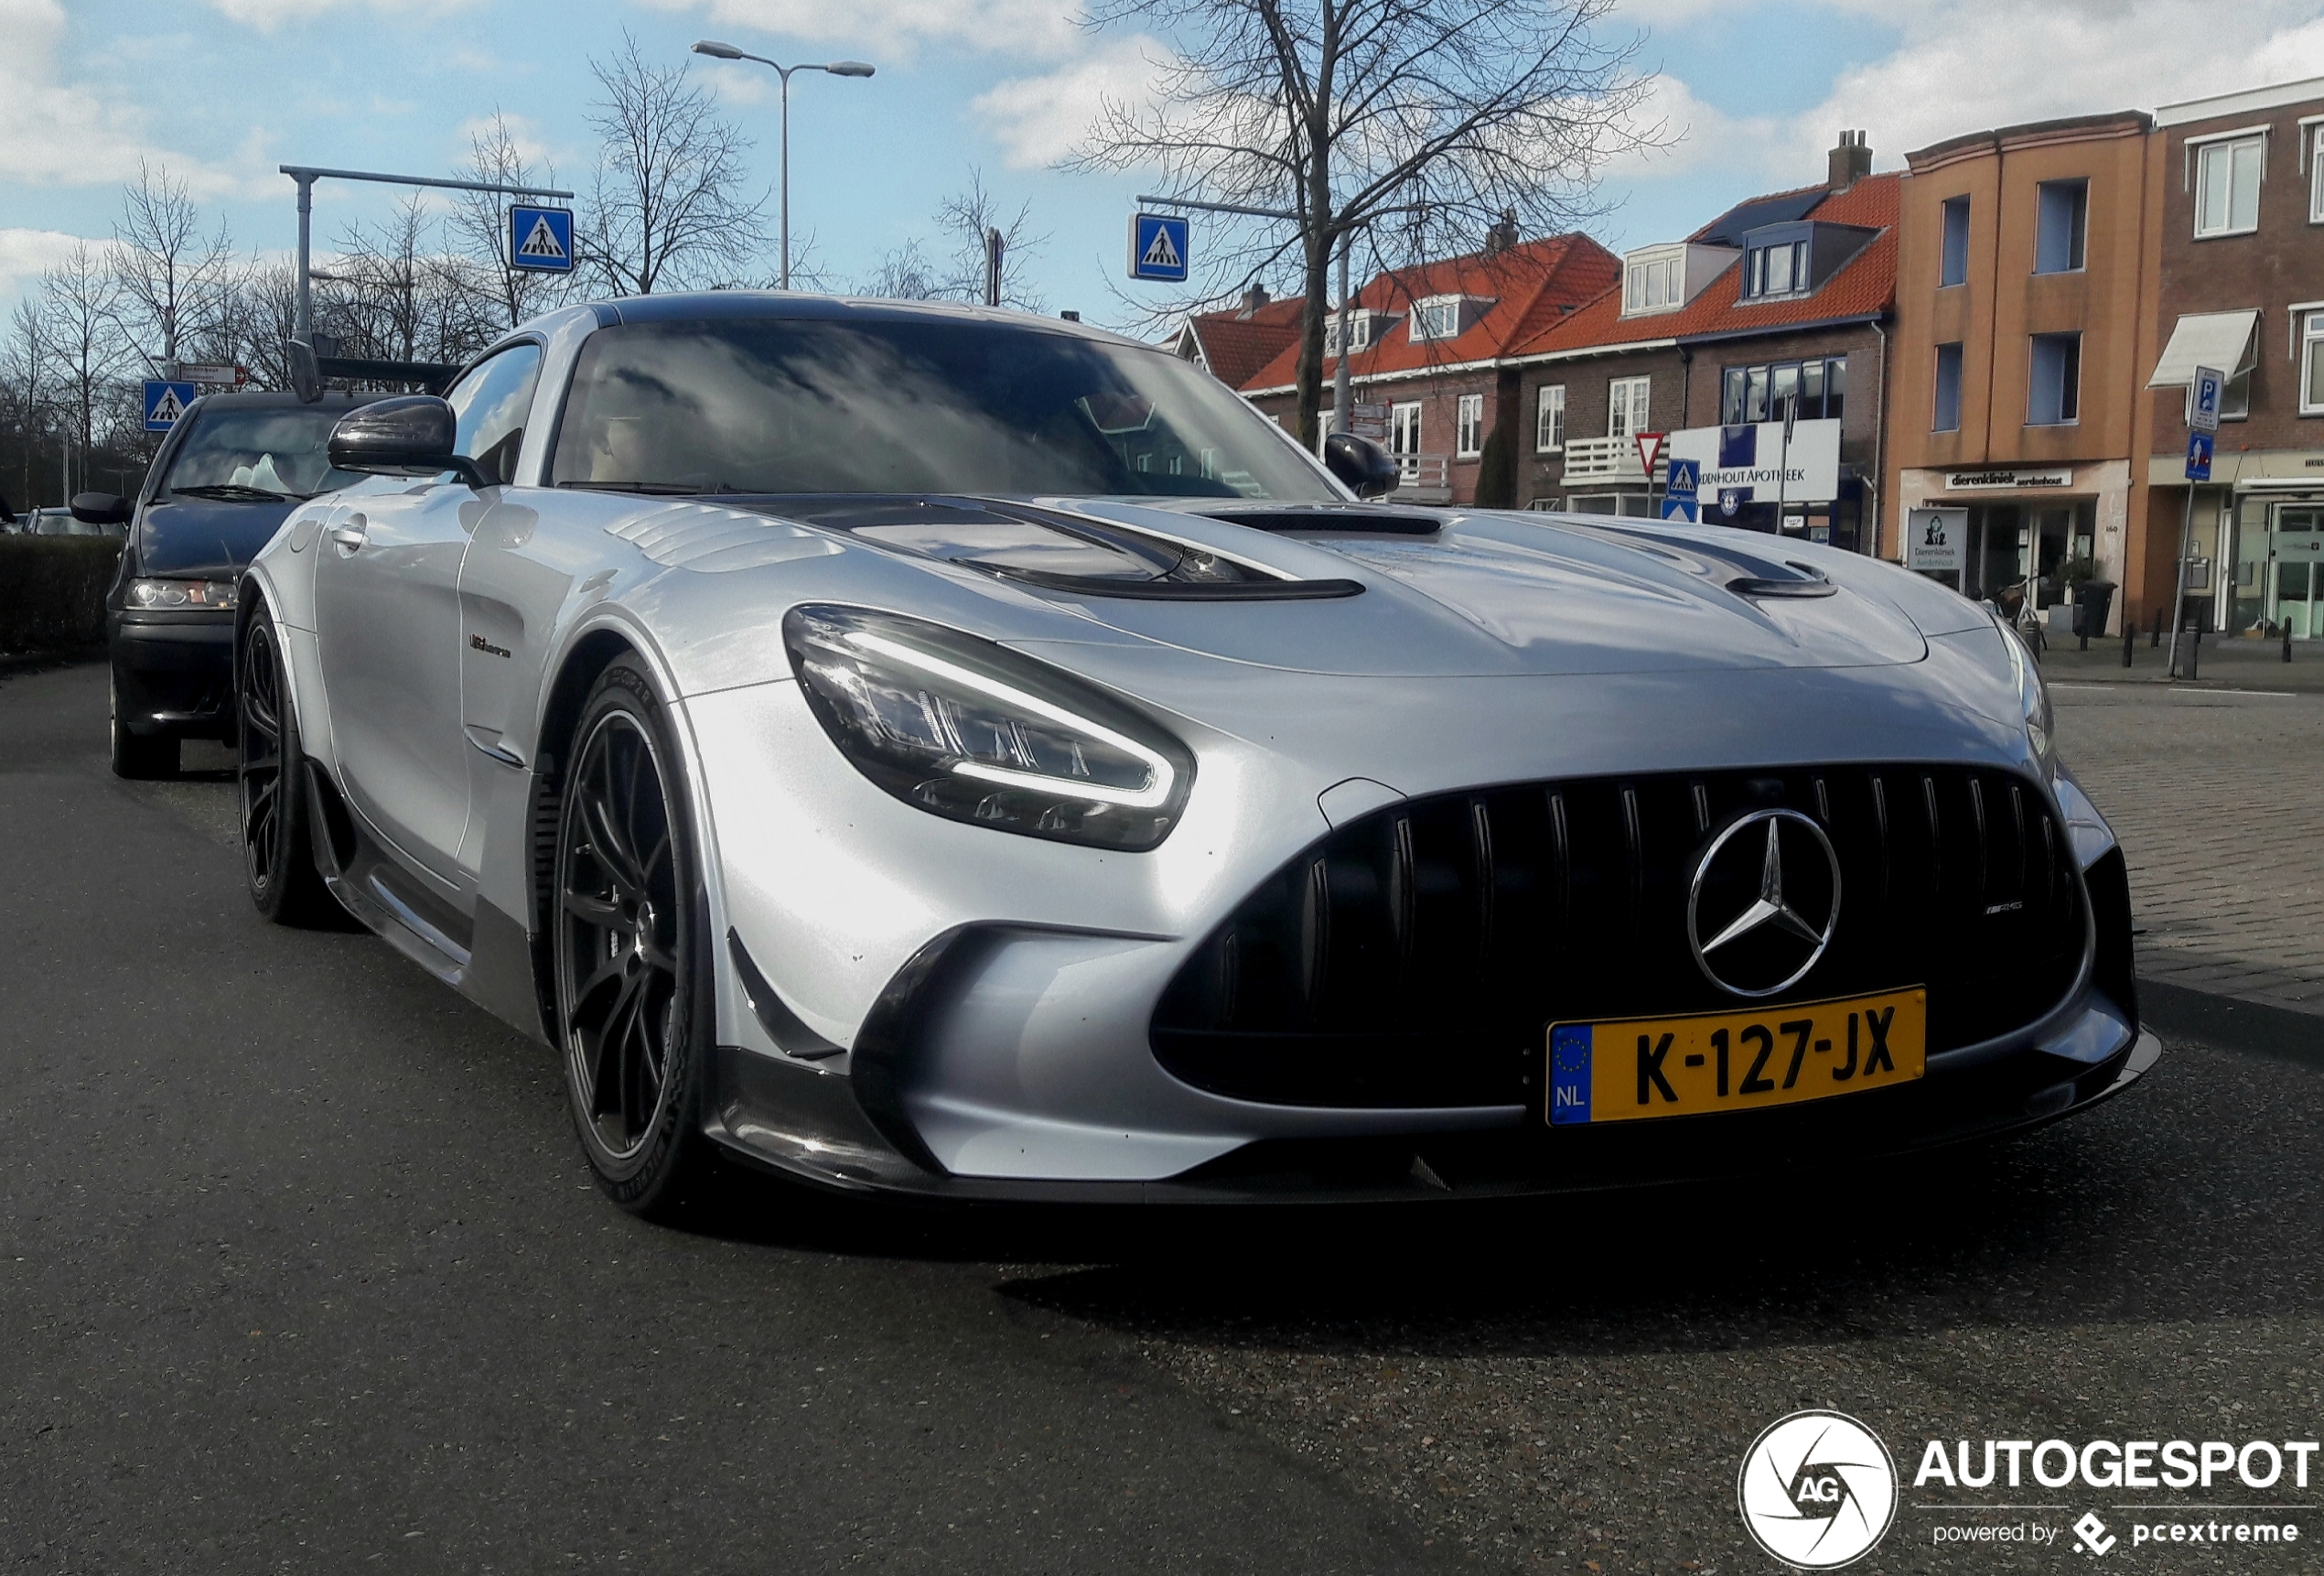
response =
{"points": [[179, 594], [969, 729], [2033, 698]]}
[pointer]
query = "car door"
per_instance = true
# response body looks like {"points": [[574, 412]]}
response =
{"points": [[388, 628]]}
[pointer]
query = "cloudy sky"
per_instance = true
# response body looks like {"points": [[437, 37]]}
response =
{"points": [[221, 91]]}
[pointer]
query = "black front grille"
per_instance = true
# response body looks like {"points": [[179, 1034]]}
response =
{"points": [[1414, 958]]}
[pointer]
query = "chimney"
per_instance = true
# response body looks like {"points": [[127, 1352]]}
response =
{"points": [[1849, 163], [1502, 236], [1254, 299]]}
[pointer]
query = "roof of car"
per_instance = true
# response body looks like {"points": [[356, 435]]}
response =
{"points": [[267, 399], [697, 304]]}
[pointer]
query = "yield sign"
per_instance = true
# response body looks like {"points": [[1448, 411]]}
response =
{"points": [[1650, 449]]}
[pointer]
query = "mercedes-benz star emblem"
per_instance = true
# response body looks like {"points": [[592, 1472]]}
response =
{"points": [[1768, 903]]}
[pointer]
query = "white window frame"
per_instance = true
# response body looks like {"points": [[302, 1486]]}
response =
{"points": [[1629, 403], [2311, 339], [2199, 152], [1404, 428], [1549, 419], [2312, 145], [1359, 330], [1469, 427], [1636, 269], [1424, 309]]}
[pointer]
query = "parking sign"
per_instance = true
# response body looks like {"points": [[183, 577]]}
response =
{"points": [[2202, 399]]}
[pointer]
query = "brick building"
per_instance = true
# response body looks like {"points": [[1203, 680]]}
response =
{"points": [[2238, 185], [2024, 291], [1431, 344], [1779, 305], [1234, 345]]}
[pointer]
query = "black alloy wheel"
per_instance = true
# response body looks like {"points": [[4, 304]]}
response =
{"points": [[278, 858], [632, 998]]}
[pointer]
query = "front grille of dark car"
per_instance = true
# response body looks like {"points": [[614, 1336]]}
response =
{"points": [[1415, 957]]}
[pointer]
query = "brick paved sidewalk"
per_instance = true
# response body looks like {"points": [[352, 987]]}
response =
{"points": [[2208, 788], [2224, 664]]}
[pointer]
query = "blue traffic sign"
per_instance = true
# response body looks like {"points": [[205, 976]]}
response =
{"points": [[166, 401], [2198, 457], [541, 239], [1686, 477], [1681, 507], [1158, 247]]}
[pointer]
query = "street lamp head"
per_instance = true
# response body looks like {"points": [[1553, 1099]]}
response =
{"points": [[848, 69], [717, 51]]}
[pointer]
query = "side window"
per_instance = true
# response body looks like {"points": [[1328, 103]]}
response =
{"points": [[492, 404]]}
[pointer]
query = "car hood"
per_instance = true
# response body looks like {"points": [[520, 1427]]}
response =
{"points": [[197, 536], [1441, 592]]}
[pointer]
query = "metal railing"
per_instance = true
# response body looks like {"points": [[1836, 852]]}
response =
{"points": [[1609, 458]]}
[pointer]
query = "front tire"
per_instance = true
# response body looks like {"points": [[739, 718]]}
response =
{"points": [[135, 757], [278, 853], [632, 965]]}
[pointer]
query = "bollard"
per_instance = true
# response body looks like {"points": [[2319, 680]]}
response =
{"points": [[2155, 637], [2194, 646], [2130, 637], [2287, 639]]}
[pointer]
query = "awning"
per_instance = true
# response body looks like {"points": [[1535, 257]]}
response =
{"points": [[2222, 340]]}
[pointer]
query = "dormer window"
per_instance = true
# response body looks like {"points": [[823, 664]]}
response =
{"points": [[1780, 269], [1359, 329], [1444, 316], [1655, 282]]}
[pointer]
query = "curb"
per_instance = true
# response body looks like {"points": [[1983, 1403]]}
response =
{"points": [[2257, 1029]]}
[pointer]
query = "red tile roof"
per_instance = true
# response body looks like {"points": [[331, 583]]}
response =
{"points": [[1531, 286], [1866, 285], [1236, 344]]}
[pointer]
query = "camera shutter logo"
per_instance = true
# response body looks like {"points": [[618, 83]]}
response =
{"points": [[1818, 1490]]}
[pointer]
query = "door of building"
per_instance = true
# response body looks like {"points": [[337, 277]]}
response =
{"points": [[2296, 571]]}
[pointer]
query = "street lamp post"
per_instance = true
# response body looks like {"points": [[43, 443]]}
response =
{"points": [[717, 51]]}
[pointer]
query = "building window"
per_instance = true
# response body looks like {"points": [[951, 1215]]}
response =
{"points": [[1947, 412], [1549, 419], [2062, 219], [1359, 331], [1625, 405], [2227, 178], [2053, 394], [1437, 317], [1404, 428], [1469, 427], [1818, 389], [2316, 176], [2312, 364], [1655, 285], [1780, 269], [1953, 262]]}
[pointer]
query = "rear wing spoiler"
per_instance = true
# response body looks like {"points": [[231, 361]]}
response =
{"points": [[308, 369]]}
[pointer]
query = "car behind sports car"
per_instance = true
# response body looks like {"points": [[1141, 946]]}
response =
{"points": [[948, 752]]}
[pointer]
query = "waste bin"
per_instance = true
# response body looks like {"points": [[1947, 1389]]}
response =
{"points": [[2093, 601]]}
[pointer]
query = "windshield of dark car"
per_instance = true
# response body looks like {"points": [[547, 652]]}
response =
{"points": [[791, 405], [257, 450]]}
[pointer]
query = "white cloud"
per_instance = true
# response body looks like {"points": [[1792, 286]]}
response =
{"points": [[24, 253], [1046, 28], [1039, 120], [56, 133], [268, 15]]}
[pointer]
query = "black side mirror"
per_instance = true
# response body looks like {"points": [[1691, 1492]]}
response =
{"points": [[305, 371], [101, 509], [1368, 470], [411, 434]]}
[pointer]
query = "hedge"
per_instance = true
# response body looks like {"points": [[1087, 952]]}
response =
{"points": [[52, 591]]}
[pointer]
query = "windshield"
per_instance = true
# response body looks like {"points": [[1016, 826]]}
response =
{"points": [[257, 452], [791, 405]]}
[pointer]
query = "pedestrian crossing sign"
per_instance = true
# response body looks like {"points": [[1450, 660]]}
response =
{"points": [[541, 239], [166, 401], [1158, 247]]}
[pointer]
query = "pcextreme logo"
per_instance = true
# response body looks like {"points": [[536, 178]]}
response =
{"points": [[1818, 1490]]}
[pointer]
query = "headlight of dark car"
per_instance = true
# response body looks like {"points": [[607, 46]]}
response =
{"points": [[969, 729], [178, 595], [2033, 698]]}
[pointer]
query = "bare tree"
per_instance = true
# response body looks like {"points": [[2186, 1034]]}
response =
{"points": [[81, 331], [477, 228], [1405, 128], [962, 220], [669, 196], [171, 279], [26, 368]]}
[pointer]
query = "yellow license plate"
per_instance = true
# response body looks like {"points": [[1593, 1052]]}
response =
{"points": [[1625, 1069]]}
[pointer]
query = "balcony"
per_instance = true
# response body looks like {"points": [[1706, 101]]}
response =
{"points": [[1426, 478], [1611, 460]]}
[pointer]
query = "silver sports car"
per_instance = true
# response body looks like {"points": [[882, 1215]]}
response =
{"points": [[954, 753]]}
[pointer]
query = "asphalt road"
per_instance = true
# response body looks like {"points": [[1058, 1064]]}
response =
{"points": [[301, 1270]]}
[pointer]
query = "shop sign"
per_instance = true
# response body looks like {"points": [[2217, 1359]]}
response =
{"points": [[1985, 481], [1755, 462], [1934, 539]]}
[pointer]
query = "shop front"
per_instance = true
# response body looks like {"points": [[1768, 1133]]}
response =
{"points": [[2031, 529], [2279, 567]]}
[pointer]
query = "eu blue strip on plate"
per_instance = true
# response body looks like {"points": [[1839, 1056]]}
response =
{"points": [[1569, 1046]]}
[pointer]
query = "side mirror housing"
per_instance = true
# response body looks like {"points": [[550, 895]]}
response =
{"points": [[1368, 470], [411, 434], [101, 509]]}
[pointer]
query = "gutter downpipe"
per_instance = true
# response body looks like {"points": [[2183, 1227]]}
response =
{"points": [[1880, 432]]}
